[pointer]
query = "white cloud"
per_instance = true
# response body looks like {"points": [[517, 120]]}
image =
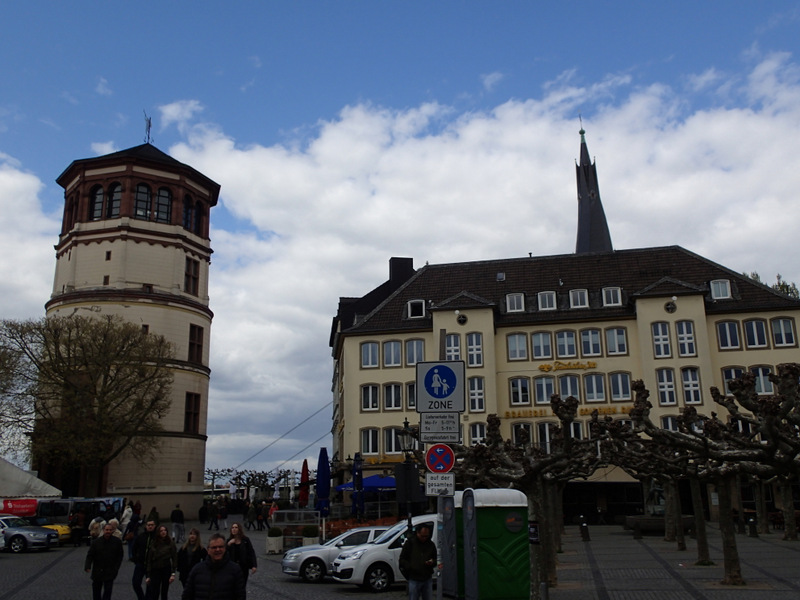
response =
{"points": [[179, 112], [491, 80], [103, 88], [101, 148]]}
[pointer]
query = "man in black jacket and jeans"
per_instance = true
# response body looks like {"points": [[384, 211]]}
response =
{"points": [[103, 560], [141, 548], [417, 560], [216, 578]]}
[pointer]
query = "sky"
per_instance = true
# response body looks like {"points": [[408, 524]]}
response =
{"points": [[345, 133]]}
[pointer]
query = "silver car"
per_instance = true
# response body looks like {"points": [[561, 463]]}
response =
{"points": [[19, 535], [312, 563]]}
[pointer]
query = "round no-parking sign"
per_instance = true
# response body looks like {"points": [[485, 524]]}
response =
{"points": [[440, 458]]}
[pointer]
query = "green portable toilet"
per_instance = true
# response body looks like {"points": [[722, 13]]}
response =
{"points": [[496, 563]]}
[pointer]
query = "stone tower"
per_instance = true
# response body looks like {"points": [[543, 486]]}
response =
{"points": [[134, 242]]}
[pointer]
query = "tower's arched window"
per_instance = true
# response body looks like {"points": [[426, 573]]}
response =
{"points": [[114, 201], [198, 219], [164, 205], [96, 203], [141, 209], [188, 213]]}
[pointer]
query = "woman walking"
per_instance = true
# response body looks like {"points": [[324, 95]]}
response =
{"points": [[191, 553], [162, 562], [241, 551]]}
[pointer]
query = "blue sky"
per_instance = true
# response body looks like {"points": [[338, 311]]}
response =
{"points": [[344, 133]]}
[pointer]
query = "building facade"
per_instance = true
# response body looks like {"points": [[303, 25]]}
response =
{"points": [[135, 242], [583, 325]]}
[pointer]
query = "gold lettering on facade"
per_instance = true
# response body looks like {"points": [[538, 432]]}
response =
{"points": [[572, 365]]}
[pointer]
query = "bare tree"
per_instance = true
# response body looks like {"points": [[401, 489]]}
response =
{"points": [[84, 390]]}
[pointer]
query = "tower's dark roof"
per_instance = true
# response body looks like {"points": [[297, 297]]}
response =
{"points": [[593, 233], [646, 272]]}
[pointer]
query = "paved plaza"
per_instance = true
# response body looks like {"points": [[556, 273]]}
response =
{"points": [[612, 566]]}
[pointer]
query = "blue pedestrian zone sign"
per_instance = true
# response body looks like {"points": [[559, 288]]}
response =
{"points": [[440, 386]]}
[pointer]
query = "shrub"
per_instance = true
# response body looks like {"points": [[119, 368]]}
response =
{"points": [[275, 532], [310, 531]]}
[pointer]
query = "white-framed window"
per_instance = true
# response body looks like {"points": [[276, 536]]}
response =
{"points": [[515, 302], [543, 388], [369, 397], [452, 346], [763, 384], [616, 341], [669, 423], [415, 352], [620, 384], [590, 342], [730, 373], [392, 396], [474, 350], [521, 433], [569, 385], [690, 377], [520, 390], [728, 335], [392, 354], [578, 299], [517, 346], [720, 289], [594, 384], [576, 430], [477, 433], [391, 440], [411, 395], [565, 344], [612, 296], [416, 309], [783, 332], [661, 346], [686, 345], [545, 431], [369, 441], [666, 387], [755, 333], [369, 355], [477, 396], [541, 343], [546, 300]]}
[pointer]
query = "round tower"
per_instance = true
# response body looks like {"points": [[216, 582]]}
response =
{"points": [[134, 242]]}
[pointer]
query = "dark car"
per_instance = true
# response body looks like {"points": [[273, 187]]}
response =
{"points": [[19, 535]]}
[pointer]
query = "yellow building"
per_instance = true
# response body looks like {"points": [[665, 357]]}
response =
{"points": [[134, 242], [583, 325]]}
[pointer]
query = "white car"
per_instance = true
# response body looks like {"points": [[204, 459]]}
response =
{"points": [[312, 563], [377, 565]]}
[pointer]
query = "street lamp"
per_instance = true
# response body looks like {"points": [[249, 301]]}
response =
{"points": [[407, 440]]}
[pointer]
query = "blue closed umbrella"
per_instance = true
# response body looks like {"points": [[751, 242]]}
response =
{"points": [[323, 504]]}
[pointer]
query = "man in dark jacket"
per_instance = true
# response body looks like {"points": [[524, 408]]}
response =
{"points": [[141, 548], [216, 578], [417, 560], [103, 560]]}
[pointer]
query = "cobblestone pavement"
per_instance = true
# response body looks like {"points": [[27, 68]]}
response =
{"points": [[613, 566]]}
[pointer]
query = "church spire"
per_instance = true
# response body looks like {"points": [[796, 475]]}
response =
{"points": [[593, 234]]}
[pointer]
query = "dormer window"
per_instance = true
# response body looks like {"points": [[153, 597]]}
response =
{"points": [[612, 296], [515, 303], [578, 299], [416, 309], [720, 289], [547, 300]]}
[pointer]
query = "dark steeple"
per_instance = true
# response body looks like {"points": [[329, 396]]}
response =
{"points": [[593, 234]]}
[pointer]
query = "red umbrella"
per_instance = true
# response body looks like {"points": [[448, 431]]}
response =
{"points": [[302, 501]]}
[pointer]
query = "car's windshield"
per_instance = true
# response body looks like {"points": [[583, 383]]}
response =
{"points": [[15, 522], [390, 533], [334, 541]]}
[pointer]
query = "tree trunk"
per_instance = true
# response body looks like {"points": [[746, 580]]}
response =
{"points": [[761, 507], [789, 520], [534, 516], [740, 522], [703, 554], [550, 573], [679, 533], [730, 553], [669, 511]]}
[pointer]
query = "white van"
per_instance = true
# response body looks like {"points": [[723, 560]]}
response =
{"points": [[377, 565]]}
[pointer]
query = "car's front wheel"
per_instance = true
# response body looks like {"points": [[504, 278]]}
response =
{"points": [[313, 570], [378, 578], [17, 544]]}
